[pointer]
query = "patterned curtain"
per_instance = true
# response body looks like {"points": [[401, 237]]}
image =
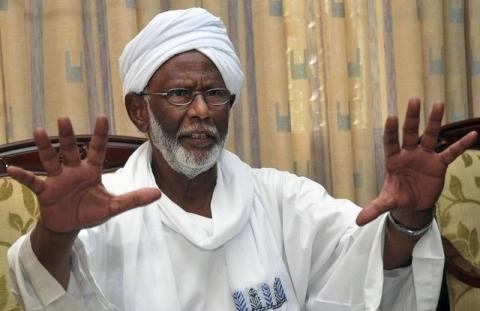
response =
{"points": [[322, 75]]}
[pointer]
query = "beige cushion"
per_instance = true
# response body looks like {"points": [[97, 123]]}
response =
{"points": [[18, 212], [458, 215]]}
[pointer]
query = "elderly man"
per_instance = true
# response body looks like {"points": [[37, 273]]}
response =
{"points": [[213, 233]]}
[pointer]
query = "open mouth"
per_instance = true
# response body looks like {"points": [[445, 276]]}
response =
{"points": [[200, 135], [198, 140]]}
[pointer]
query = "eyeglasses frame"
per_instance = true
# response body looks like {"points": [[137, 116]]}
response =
{"points": [[194, 94]]}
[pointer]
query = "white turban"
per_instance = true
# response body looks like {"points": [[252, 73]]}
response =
{"points": [[171, 33]]}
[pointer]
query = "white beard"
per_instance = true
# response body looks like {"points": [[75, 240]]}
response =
{"points": [[180, 159]]}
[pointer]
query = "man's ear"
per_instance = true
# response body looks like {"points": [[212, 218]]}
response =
{"points": [[137, 111]]}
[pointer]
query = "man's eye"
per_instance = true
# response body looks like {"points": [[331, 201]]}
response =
{"points": [[212, 92], [216, 92], [179, 92]]}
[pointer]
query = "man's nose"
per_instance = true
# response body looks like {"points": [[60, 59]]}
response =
{"points": [[198, 107]]}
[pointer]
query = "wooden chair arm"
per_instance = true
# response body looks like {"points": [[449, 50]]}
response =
{"points": [[24, 153], [458, 266], [452, 132]]}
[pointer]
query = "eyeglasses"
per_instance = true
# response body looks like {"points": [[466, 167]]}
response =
{"points": [[183, 97]]}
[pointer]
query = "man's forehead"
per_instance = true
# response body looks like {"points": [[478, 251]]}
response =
{"points": [[186, 66]]}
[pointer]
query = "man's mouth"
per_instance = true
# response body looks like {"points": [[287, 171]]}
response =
{"points": [[198, 140], [200, 135]]}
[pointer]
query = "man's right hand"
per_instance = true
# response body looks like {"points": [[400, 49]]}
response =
{"points": [[72, 196]]}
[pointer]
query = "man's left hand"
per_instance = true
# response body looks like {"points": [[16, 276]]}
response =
{"points": [[415, 173]]}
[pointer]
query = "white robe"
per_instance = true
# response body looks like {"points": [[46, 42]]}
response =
{"points": [[276, 241]]}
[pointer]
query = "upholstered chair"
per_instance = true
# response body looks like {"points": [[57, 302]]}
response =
{"points": [[458, 216]]}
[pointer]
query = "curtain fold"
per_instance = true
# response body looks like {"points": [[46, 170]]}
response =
{"points": [[64, 65], [298, 86], [455, 60], [16, 111], [360, 98], [271, 71], [321, 75], [473, 53]]}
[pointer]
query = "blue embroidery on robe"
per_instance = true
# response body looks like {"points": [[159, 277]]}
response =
{"points": [[255, 302], [267, 295], [261, 300], [239, 301], [280, 296]]}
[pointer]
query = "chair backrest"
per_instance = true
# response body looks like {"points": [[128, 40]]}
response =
{"points": [[458, 216], [18, 205]]}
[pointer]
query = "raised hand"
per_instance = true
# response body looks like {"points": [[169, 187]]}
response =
{"points": [[72, 197], [415, 173]]}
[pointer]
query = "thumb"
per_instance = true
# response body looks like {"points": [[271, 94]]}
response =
{"points": [[371, 211], [133, 199], [366, 215]]}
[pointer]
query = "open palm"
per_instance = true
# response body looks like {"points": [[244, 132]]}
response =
{"points": [[415, 173], [72, 196]]}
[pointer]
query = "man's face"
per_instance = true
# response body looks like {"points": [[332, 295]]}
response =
{"points": [[190, 137]]}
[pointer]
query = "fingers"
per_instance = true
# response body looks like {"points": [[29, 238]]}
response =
{"points": [[456, 149], [430, 135], [48, 155], [35, 183], [390, 137], [98, 143], [410, 126], [68, 142], [137, 198]]}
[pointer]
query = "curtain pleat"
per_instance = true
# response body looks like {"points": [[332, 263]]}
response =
{"points": [[321, 75], [318, 94], [184, 4], [241, 112], [16, 101], [121, 24], [3, 102], [377, 82], [338, 104], [360, 98], [64, 65], [407, 50], [274, 115], [298, 86], [430, 13], [146, 10], [456, 79], [474, 57]]}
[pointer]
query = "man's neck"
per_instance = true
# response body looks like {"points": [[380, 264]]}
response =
{"points": [[194, 195]]}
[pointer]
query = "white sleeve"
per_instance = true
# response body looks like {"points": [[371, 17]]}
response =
{"points": [[418, 286], [357, 279], [36, 289], [336, 265]]}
